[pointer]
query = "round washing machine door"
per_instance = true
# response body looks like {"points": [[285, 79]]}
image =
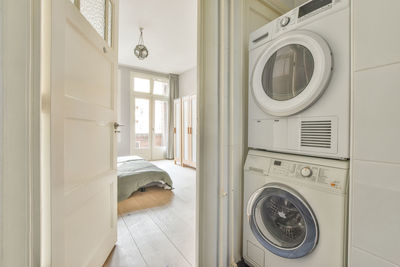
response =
{"points": [[282, 221], [291, 73]]}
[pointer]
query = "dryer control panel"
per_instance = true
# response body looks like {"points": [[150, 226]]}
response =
{"points": [[333, 179]]}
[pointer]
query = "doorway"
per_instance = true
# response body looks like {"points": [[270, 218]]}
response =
{"points": [[149, 114], [156, 217]]}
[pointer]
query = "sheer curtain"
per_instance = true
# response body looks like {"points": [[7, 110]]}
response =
{"points": [[173, 94]]}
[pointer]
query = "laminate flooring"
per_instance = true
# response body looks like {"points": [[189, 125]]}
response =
{"points": [[163, 235]]}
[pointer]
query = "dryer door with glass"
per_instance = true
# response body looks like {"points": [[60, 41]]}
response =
{"points": [[292, 73], [282, 221]]}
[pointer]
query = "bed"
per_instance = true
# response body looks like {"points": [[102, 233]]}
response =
{"points": [[135, 173]]}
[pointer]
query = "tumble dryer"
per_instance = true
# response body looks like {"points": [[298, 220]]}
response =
{"points": [[299, 81], [295, 211]]}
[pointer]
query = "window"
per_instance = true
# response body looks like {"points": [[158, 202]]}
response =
{"points": [[150, 111], [141, 85], [100, 14], [160, 88], [142, 123], [149, 84], [95, 12]]}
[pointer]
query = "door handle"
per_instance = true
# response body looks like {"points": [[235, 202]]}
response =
{"points": [[116, 125]]}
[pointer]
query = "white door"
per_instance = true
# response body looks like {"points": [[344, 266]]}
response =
{"points": [[83, 143], [149, 109]]}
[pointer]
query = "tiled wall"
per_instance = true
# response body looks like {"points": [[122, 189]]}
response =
{"points": [[375, 198]]}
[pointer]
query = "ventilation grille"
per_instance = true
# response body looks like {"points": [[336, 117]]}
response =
{"points": [[316, 134]]}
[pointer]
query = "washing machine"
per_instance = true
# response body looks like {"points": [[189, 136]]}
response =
{"points": [[295, 211], [299, 81]]}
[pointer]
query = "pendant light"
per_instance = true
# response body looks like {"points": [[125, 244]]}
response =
{"points": [[141, 51]]}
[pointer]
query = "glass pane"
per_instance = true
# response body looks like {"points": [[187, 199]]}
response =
{"points": [[185, 130], [287, 72], [194, 124], [109, 22], [160, 88], [280, 221], [141, 85], [160, 123], [94, 11], [178, 130], [142, 116]]}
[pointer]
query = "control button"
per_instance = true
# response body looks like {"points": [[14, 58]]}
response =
{"points": [[306, 172], [285, 21]]}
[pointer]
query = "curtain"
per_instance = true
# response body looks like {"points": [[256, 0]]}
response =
{"points": [[173, 94]]}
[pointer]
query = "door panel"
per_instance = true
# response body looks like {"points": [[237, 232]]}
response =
{"points": [[185, 129], [160, 129], [93, 143], [91, 85], [178, 131], [189, 121], [83, 143], [142, 141], [193, 128]]}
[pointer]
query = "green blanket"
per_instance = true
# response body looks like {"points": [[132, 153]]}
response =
{"points": [[137, 173]]}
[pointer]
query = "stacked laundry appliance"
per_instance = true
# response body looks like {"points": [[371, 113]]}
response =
{"points": [[296, 172]]}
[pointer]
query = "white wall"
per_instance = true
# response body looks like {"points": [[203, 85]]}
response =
{"points": [[188, 82], [375, 187]]}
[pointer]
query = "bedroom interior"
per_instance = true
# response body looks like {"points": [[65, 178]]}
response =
{"points": [[156, 135]]}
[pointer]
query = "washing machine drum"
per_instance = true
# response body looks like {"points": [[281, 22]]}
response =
{"points": [[292, 73], [282, 221]]}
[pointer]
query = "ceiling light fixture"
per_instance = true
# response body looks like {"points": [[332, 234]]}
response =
{"points": [[141, 51]]}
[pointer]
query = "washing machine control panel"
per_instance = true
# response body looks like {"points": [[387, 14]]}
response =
{"points": [[304, 12], [284, 22], [327, 177]]}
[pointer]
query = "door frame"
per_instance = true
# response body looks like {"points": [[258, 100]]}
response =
{"points": [[20, 159]]}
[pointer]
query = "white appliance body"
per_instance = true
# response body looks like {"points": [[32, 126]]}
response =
{"points": [[299, 81], [295, 211]]}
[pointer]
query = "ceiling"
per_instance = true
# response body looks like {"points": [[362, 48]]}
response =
{"points": [[170, 34]]}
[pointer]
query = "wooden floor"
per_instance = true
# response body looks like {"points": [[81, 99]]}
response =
{"points": [[159, 236]]}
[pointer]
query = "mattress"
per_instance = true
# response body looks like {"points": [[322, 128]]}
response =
{"points": [[135, 172]]}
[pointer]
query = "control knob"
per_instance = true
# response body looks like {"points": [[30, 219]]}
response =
{"points": [[306, 172], [285, 21]]}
